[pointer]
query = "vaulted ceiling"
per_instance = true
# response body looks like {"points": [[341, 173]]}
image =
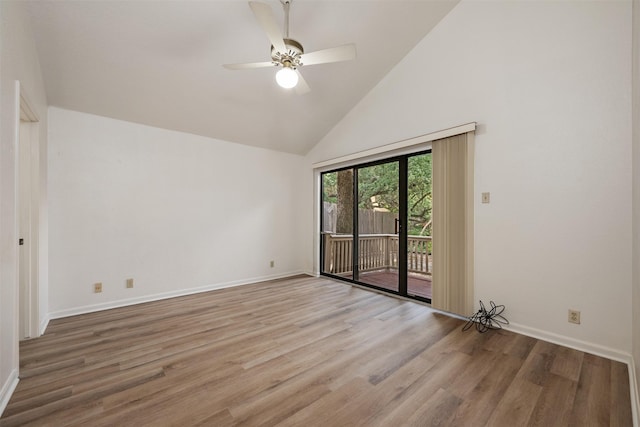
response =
{"points": [[159, 63]]}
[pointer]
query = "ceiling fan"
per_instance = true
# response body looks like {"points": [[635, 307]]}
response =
{"points": [[288, 54]]}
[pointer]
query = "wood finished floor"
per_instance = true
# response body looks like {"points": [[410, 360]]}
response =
{"points": [[304, 352], [419, 285]]}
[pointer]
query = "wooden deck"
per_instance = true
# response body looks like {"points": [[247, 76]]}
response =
{"points": [[304, 351], [417, 284]]}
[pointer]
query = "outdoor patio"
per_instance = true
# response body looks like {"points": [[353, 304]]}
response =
{"points": [[378, 260], [417, 284]]}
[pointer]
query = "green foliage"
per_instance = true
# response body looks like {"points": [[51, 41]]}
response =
{"points": [[330, 187], [419, 194], [378, 188]]}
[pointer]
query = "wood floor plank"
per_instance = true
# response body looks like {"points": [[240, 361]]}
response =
{"points": [[411, 399], [517, 404], [555, 402], [363, 408], [479, 404], [322, 411], [273, 406], [620, 412], [567, 363], [471, 374], [592, 404], [438, 410], [537, 366], [303, 351]]}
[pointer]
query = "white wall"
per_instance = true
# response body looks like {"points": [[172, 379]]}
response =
{"points": [[549, 84], [175, 212], [636, 188], [18, 61]]}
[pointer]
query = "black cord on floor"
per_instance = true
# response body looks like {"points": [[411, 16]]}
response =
{"points": [[485, 320]]}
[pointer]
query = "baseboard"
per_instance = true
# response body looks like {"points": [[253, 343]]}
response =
{"points": [[7, 390], [635, 397], [43, 324], [565, 341], [165, 295]]}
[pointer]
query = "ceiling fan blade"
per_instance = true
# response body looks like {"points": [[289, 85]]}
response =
{"points": [[248, 65], [302, 87], [267, 21], [346, 52]]}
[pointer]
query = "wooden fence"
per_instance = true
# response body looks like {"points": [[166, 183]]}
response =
{"points": [[369, 221]]}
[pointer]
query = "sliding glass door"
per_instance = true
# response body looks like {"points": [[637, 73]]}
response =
{"points": [[375, 225], [337, 223], [379, 225], [419, 208]]}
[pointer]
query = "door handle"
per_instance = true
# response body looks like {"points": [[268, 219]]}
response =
{"points": [[398, 226]]}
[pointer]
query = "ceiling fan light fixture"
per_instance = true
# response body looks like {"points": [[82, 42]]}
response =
{"points": [[287, 52], [287, 77]]}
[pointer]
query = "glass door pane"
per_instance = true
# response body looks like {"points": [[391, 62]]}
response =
{"points": [[378, 226], [337, 223], [419, 199]]}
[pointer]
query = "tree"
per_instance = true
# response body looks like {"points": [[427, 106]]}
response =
{"points": [[378, 188], [344, 221], [379, 182], [419, 194]]}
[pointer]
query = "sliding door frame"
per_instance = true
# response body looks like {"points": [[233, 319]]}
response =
{"points": [[403, 229], [403, 174]]}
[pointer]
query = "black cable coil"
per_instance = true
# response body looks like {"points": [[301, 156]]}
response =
{"points": [[485, 320]]}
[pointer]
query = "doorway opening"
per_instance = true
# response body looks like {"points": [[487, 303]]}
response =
{"points": [[376, 225], [28, 200]]}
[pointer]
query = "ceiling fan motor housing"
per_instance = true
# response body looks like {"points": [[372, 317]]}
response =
{"points": [[293, 55]]}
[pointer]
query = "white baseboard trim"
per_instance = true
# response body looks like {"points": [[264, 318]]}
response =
{"points": [[635, 397], [565, 341], [165, 295], [7, 390], [43, 324]]}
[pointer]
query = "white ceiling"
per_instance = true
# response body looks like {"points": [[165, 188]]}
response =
{"points": [[159, 63]]}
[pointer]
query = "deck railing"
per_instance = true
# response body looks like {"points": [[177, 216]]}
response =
{"points": [[376, 252]]}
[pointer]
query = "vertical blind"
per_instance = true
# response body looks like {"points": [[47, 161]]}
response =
{"points": [[453, 224]]}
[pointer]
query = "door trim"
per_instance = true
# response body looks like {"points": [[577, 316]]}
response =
{"points": [[359, 156], [403, 176], [27, 137]]}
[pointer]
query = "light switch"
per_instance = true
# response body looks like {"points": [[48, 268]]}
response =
{"points": [[486, 197]]}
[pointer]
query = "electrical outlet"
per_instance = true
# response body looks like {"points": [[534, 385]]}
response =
{"points": [[129, 283], [486, 197], [97, 287], [272, 264], [574, 316]]}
